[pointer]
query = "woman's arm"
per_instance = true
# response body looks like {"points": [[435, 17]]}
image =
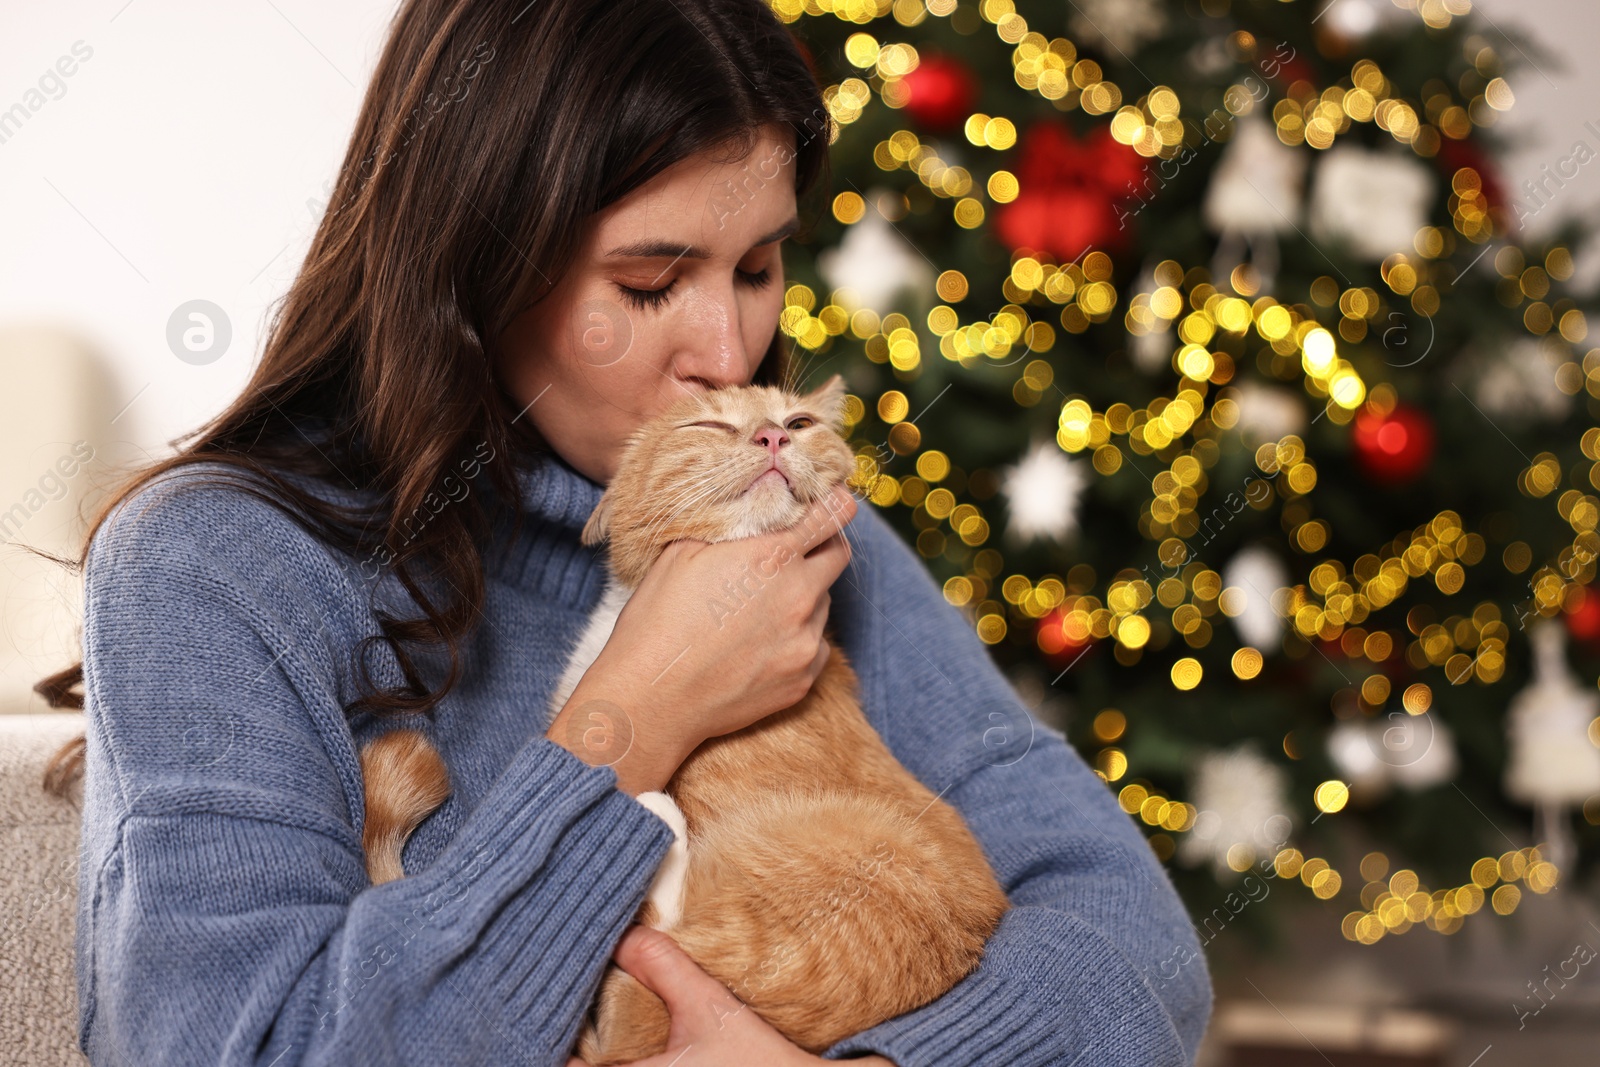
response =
{"points": [[225, 915], [1096, 962]]}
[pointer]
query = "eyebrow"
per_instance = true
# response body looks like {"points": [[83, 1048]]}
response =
{"points": [[651, 249]]}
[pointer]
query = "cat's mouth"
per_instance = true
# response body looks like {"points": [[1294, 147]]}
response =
{"points": [[771, 476]]}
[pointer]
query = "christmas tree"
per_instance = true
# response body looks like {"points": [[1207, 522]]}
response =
{"points": [[1194, 346]]}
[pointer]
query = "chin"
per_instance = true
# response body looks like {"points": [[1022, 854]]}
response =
{"points": [[766, 507]]}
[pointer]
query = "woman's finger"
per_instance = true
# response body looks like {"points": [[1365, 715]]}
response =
{"points": [[662, 967], [831, 557], [824, 651], [819, 615]]}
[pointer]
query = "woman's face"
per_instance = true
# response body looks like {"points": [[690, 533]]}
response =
{"points": [[677, 288]]}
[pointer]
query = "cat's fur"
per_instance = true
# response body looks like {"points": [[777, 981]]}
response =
{"points": [[813, 875]]}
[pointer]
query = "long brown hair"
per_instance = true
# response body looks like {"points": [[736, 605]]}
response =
{"points": [[491, 133]]}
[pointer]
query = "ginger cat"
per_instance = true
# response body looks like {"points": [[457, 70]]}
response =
{"points": [[813, 875]]}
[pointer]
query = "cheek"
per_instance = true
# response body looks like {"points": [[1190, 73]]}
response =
{"points": [[600, 341], [597, 356]]}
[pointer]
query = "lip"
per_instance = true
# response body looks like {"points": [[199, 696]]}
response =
{"points": [[763, 477]]}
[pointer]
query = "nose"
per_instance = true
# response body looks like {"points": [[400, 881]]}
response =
{"points": [[713, 353], [771, 438]]}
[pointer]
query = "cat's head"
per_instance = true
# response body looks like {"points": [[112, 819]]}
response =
{"points": [[719, 465]]}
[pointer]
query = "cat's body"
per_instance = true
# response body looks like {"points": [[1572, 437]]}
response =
{"points": [[814, 875]]}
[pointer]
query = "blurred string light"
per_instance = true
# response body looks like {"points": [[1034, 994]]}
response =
{"points": [[1209, 321], [1336, 596], [1394, 903], [1151, 126], [1336, 599], [1306, 115]]}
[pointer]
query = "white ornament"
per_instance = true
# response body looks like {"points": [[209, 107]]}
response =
{"points": [[1241, 800], [1210, 57], [1371, 202], [1355, 19], [1042, 493], [1259, 575], [873, 265], [1152, 352], [1268, 412], [1520, 382], [1254, 196], [1420, 750], [1350, 749], [1122, 24], [1398, 748], [1552, 759], [1257, 186], [1552, 764]]}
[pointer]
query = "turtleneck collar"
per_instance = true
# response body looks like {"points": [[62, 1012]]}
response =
{"points": [[538, 548], [550, 488]]}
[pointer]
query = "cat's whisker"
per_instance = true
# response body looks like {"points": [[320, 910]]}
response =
{"points": [[659, 516], [856, 556], [797, 373], [708, 480], [687, 498]]}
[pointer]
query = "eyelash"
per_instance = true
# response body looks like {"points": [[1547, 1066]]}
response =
{"points": [[654, 298]]}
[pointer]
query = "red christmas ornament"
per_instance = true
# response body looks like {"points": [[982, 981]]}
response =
{"points": [[940, 91], [1295, 70], [1396, 447], [1583, 621], [1455, 155], [1071, 192], [1053, 639]]}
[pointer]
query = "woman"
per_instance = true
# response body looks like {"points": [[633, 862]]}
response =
{"points": [[552, 218]]}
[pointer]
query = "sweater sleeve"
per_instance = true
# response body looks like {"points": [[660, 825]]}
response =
{"points": [[225, 915], [1096, 961]]}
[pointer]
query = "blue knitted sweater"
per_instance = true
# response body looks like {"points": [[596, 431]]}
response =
{"points": [[225, 916]]}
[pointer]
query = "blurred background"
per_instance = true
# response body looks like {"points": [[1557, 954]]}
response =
{"points": [[1228, 361]]}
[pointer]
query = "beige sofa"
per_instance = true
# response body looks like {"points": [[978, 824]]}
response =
{"points": [[38, 896], [58, 406]]}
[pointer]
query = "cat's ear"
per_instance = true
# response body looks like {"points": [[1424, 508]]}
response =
{"points": [[829, 396], [599, 524]]}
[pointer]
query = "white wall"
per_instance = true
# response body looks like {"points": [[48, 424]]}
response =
{"points": [[174, 163], [1558, 93]]}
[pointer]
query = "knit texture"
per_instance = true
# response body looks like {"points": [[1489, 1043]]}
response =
{"points": [[224, 913]]}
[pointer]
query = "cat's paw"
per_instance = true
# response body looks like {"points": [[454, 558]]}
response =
{"points": [[666, 892]]}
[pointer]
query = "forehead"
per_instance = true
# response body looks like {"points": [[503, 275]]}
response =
{"points": [[720, 200]]}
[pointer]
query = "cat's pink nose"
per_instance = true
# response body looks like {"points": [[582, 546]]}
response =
{"points": [[772, 437]]}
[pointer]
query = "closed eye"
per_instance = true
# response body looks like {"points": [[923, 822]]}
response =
{"points": [[656, 298], [710, 424]]}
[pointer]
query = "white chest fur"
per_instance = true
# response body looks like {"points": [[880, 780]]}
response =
{"points": [[666, 891], [595, 635]]}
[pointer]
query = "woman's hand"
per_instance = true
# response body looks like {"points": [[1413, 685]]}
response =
{"points": [[716, 637], [710, 1026]]}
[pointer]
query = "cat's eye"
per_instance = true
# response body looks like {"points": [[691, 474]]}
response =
{"points": [[709, 423], [802, 422]]}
